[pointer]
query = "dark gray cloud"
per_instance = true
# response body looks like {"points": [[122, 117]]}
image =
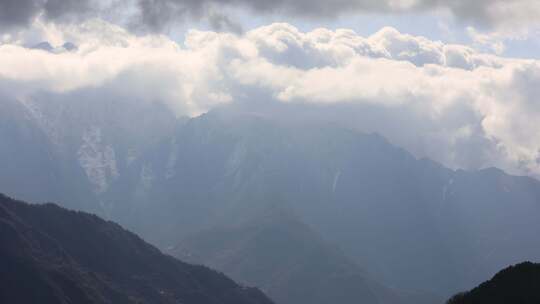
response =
{"points": [[159, 15], [56, 9], [222, 23], [489, 13], [146, 15], [18, 13]]}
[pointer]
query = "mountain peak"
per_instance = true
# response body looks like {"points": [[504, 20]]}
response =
{"points": [[48, 47]]}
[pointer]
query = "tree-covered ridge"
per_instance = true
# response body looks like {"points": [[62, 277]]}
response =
{"points": [[51, 255], [519, 284]]}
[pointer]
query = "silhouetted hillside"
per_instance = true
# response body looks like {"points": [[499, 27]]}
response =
{"points": [[52, 255], [518, 284]]}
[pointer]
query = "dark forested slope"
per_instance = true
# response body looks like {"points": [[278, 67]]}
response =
{"points": [[518, 284], [52, 255]]}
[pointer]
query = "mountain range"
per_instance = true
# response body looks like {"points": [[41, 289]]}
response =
{"points": [[370, 211]]}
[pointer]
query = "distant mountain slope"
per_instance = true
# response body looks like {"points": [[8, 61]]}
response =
{"points": [[413, 223], [51, 255], [291, 263], [519, 284]]}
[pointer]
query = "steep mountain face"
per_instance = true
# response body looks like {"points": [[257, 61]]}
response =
{"points": [[51, 255], [515, 284], [101, 136], [31, 168], [81, 141], [288, 260]]}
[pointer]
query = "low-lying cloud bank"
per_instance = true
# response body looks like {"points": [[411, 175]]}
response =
{"points": [[447, 102]]}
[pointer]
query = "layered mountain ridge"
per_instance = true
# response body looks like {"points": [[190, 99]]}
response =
{"points": [[412, 224]]}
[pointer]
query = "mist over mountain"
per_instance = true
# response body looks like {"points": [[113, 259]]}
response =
{"points": [[411, 224], [52, 255], [289, 261], [347, 151]]}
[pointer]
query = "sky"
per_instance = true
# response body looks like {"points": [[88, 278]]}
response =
{"points": [[453, 80]]}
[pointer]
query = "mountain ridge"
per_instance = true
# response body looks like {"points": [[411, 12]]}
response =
{"points": [[53, 255]]}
